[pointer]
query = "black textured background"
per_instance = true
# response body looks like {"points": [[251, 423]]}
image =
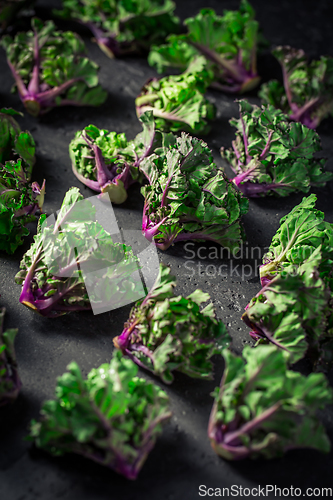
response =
{"points": [[182, 459]]}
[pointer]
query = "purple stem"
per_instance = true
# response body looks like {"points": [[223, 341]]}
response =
{"points": [[266, 148], [238, 156], [103, 174], [144, 349], [237, 72], [94, 185], [264, 280], [240, 177], [28, 210], [233, 89], [45, 306], [122, 341], [150, 233], [165, 192], [255, 335], [302, 114], [252, 425], [307, 121], [247, 156], [27, 296], [45, 98], [106, 43], [260, 331], [254, 190], [272, 340], [18, 80], [287, 88], [136, 360], [33, 87], [146, 152]]}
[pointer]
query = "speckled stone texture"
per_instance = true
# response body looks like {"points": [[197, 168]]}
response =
{"points": [[182, 459]]}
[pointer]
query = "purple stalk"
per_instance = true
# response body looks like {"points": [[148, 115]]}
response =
{"points": [[103, 174], [292, 106], [237, 72], [12, 192], [254, 190], [252, 425], [264, 280], [227, 443], [15, 381], [239, 179], [94, 185], [18, 80], [144, 349], [47, 97], [27, 297], [123, 340], [32, 98], [107, 44], [267, 146], [165, 192], [238, 156], [247, 156], [303, 114], [128, 352], [262, 333], [239, 88], [28, 210], [108, 180], [33, 87], [150, 232], [175, 238], [131, 470], [240, 80], [36, 300], [10, 380]]}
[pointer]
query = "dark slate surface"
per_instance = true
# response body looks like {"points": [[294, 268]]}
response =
{"points": [[182, 459]]}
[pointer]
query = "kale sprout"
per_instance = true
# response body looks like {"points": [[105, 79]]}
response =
{"points": [[272, 156], [112, 417], [50, 69], [262, 409], [165, 333], [74, 265], [228, 44], [294, 312], [188, 197], [178, 101], [108, 163], [307, 91], [120, 27], [19, 203]]}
